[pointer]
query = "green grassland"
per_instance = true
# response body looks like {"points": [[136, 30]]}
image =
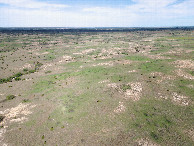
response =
{"points": [[76, 98]]}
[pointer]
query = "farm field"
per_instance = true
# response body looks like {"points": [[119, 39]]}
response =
{"points": [[97, 88]]}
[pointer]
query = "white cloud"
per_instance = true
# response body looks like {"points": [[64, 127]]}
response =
{"points": [[141, 13], [31, 4], [48, 18]]}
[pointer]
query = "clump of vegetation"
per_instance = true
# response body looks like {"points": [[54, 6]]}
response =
{"points": [[154, 135], [3, 81], [38, 65], [32, 71], [17, 79], [9, 79], [125, 87], [25, 69], [19, 74], [25, 100], [1, 118], [48, 72], [10, 97]]}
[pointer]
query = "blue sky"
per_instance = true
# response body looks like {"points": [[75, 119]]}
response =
{"points": [[96, 13]]}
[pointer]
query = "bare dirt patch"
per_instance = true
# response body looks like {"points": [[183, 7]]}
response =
{"points": [[162, 77], [120, 108], [65, 59], [162, 96], [132, 71], [158, 56], [145, 142], [190, 133], [184, 64], [112, 85], [180, 99], [16, 114], [184, 74], [135, 92], [104, 64], [104, 81], [38, 54]]}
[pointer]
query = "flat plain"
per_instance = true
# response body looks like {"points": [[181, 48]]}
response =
{"points": [[97, 88]]}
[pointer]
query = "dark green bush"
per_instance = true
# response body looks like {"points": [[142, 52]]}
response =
{"points": [[10, 97], [25, 100], [32, 71], [3, 81], [18, 74], [1, 118], [38, 65], [25, 69], [17, 78]]}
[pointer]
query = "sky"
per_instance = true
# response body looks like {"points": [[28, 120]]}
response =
{"points": [[96, 13]]}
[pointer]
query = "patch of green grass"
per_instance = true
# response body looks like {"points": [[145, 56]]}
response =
{"points": [[191, 72], [181, 38], [73, 106], [161, 121], [156, 51], [50, 57], [49, 71], [125, 87], [74, 64], [47, 83], [95, 52], [138, 58], [157, 66], [30, 123], [43, 85], [182, 86], [121, 78], [116, 73], [161, 39]]}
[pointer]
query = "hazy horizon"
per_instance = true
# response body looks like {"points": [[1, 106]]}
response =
{"points": [[96, 13]]}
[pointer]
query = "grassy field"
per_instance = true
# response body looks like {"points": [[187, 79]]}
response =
{"points": [[97, 88]]}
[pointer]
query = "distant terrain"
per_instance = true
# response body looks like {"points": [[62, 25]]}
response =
{"points": [[97, 86]]}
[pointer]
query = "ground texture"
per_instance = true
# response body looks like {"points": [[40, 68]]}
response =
{"points": [[102, 88]]}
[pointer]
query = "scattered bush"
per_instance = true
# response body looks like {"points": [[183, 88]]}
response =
{"points": [[32, 71], [25, 69], [18, 74], [38, 65], [17, 79], [48, 72], [1, 118], [10, 97], [3, 81], [25, 100]]}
